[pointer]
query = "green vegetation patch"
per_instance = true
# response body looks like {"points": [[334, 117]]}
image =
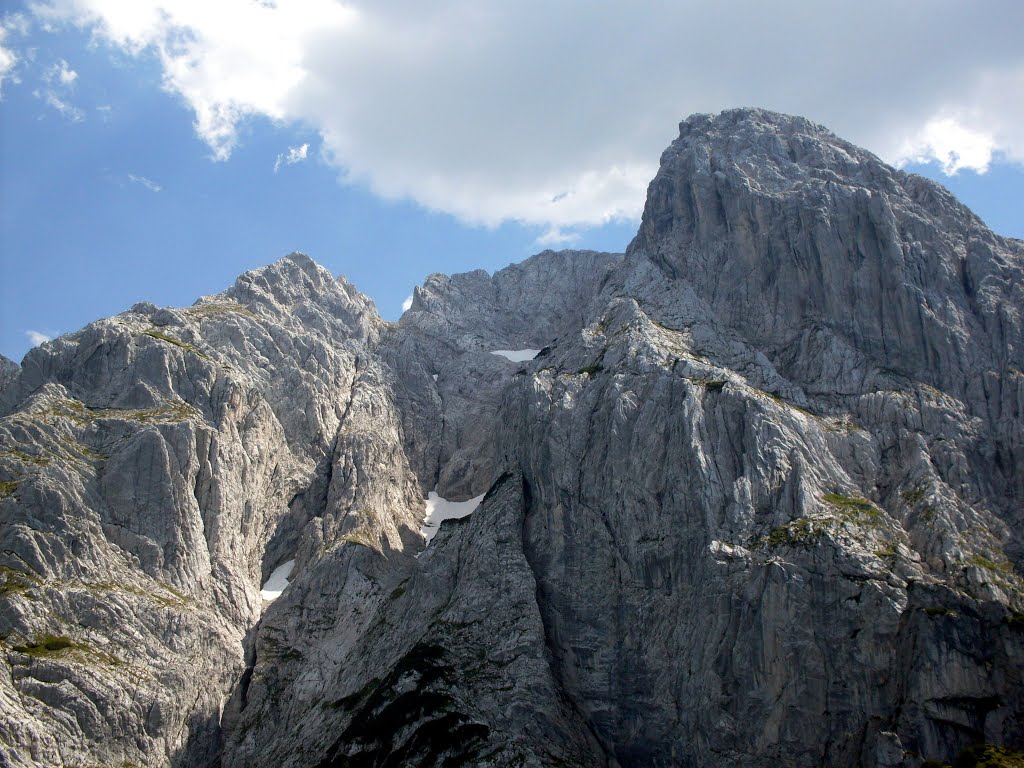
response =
{"points": [[14, 582], [803, 532], [914, 495], [988, 756], [34, 459], [73, 446], [363, 538], [7, 488], [1002, 566], [155, 334], [939, 612], [807, 531], [63, 648], [175, 411], [175, 599], [852, 509], [47, 645], [838, 424], [786, 404]]}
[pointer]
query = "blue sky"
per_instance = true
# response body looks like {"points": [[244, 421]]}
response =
{"points": [[148, 158]]}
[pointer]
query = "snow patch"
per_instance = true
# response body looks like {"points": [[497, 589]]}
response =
{"points": [[517, 355], [439, 509], [435, 377], [278, 581]]}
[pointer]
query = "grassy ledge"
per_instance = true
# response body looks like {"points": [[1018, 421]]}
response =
{"points": [[155, 334]]}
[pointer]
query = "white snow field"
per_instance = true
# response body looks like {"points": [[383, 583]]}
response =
{"points": [[517, 355], [439, 509], [278, 581]]}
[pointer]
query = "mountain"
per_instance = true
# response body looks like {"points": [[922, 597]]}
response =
{"points": [[750, 493]]}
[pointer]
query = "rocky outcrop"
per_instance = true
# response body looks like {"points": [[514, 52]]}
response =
{"points": [[156, 466], [756, 501], [8, 372], [846, 273], [450, 382]]}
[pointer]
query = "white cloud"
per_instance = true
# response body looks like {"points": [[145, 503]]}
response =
{"points": [[66, 109], [60, 74], [946, 141], [149, 184], [557, 236], [59, 80], [64, 74], [292, 156], [17, 24], [38, 338], [407, 304], [555, 114]]}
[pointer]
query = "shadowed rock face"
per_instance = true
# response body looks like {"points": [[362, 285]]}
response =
{"points": [[756, 502]]}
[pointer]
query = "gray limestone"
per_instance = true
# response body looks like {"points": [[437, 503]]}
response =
{"points": [[757, 501]]}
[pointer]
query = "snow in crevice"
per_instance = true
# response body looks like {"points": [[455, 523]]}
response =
{"points": [[517, 355], [278, 581], [439, 509]]}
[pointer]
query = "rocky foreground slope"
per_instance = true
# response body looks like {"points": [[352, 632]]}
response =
{"points": [[757, 501]]}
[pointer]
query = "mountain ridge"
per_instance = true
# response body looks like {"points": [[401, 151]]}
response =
{"points": [[727, 517]]}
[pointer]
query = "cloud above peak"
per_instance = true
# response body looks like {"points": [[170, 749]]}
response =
{"points": [[38, 337], [292, 156], [555, 115]]}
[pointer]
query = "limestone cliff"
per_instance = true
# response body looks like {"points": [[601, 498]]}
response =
{"points": [[757, 500]]}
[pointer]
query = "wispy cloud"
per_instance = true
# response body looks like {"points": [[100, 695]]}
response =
{"points": [[149, 184], [61, 73], [407, 304], [37, 337], [17, 24], [65, 108], [557, 236], [292, 156], [59, 81]]}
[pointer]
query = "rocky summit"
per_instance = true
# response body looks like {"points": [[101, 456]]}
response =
{"points": [[751, 493]]}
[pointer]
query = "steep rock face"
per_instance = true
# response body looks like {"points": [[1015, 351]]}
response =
{"points": [[725, 577], [155, 468], [439, 660], [814, 250], [760, 532], [449, 380], [730, 517], [8, 372]]}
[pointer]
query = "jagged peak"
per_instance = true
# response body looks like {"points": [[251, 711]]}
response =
{"points": [[295, 281], [781, 227]]}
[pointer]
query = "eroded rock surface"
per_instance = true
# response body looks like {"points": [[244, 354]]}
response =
{"points": [[757, 501]]}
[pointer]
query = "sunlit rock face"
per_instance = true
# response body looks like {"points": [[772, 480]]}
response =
{"points": [[749, 494]]}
